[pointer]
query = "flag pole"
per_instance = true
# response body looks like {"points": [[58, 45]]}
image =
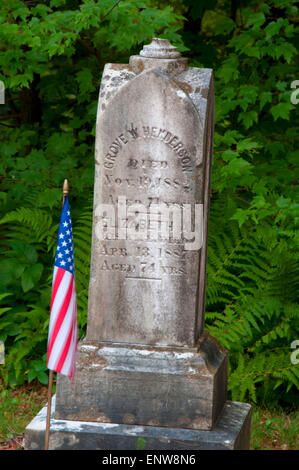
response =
{"points": [[65, 191], [50, 385]]}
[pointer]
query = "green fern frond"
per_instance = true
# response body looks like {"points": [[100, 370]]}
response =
{"points": [[82, 228], [252, 304], [38, 220]]}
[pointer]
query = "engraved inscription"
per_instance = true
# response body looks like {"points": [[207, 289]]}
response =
{"points": [[146, 182], [139, 162], [144, 260], [133, 163], [148, 132]]}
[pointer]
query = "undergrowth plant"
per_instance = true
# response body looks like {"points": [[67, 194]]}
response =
{"points": [[252, 306]]}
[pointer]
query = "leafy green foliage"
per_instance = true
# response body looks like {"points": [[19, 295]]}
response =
{"points": [[252, 305], [52, 53]]}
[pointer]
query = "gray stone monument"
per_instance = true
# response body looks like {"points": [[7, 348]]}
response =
{"points": [[147, 368]]}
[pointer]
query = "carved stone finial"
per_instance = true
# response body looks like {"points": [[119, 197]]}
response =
{"points": [[159, 54], [160, 49]]}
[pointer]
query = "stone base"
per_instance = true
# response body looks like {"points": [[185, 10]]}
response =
{"points": [[231, 432], [145, 385]]}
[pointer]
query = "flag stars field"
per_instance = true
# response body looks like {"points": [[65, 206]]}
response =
{"points": [[61, 254]]}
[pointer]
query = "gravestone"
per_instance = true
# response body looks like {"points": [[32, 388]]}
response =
{"points": [[147, 368]]}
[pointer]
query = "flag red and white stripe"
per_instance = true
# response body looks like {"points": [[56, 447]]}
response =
{"points": [[63, 332]]}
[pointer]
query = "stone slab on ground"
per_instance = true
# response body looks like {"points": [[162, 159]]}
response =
{"points": [[231, 432]]}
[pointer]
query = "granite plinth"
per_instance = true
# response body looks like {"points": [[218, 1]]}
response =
{"points": [[231, 432], [143, 385]]}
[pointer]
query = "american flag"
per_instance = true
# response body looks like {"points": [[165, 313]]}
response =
{"points": [[62, 337]]}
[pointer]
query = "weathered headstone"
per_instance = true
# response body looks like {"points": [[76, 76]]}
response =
{"points": [[146, 366]]}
